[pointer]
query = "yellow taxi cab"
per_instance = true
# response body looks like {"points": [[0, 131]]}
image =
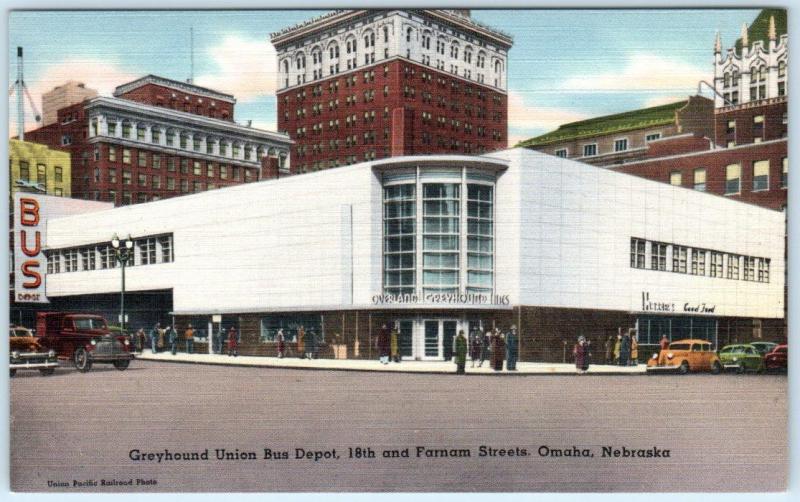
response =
{"points": [[683, 356]]}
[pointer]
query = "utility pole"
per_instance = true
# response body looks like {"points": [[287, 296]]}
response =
{"points": [[191, 54], [20, 102]]}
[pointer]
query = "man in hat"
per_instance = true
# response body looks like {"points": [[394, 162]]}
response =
{"points": [[189, 336], [512, 348]]}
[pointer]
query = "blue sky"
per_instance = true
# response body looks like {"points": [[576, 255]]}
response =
{"points": [[565, 64]]}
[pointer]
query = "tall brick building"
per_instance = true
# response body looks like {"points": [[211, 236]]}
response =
{"points": [[359, 85], [158, 138]]}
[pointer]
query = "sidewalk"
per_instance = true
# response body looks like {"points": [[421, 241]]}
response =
{"points": [[374, 365]]}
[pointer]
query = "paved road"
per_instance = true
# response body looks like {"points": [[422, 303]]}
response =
{"points": [[725, 432]]}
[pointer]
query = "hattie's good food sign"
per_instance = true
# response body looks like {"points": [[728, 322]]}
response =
{"points": [[688, 307]]}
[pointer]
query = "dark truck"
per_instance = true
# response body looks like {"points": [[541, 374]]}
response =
{"points": [[83, 339]]}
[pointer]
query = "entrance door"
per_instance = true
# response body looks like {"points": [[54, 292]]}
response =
{"points": [[405, 338], [438, 338]]}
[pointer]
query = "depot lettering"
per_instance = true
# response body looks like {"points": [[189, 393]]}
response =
{"points": [[688, 307], [441, 298], [30, 241]]}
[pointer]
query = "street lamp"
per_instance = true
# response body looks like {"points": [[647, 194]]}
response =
{"points": [[123, 251]]}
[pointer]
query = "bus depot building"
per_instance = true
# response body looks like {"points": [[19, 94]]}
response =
{"points": [[433, 244]]}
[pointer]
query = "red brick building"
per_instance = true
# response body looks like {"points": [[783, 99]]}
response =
{"points": [[368, 84], [159, 138]]}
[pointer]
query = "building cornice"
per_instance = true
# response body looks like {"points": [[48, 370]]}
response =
{"points": [[173, 84], [184, 119], [752, 104], [702, 152]]}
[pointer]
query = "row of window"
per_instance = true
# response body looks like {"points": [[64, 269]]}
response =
{"points": [[758, 130], [733, 177], [146, 251], [41, 173], [620, 145], [653, 255], [156, 161]]}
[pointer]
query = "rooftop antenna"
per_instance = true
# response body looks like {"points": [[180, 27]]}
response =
{"points": [[20, 88], [191, 54]]}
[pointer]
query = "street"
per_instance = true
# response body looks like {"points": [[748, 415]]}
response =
{"points": [[265, 429]]}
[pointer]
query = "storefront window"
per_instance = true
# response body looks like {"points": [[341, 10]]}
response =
{"points": [[480, 240], [399, 231], [440, 238], [290, 324]]}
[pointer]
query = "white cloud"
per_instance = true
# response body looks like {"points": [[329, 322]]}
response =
{"points": [[643, 73], [246, 68], [526, 120], [102, 76]]}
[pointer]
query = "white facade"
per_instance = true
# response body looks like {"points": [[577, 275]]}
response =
{"points": [[562, 238], [349, 40]]}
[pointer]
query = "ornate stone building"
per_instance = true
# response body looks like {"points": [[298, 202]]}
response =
{"points": [[358, 85]]}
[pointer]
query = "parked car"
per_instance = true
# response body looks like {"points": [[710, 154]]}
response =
{"points": [[27, 354], [741, 357], [83, 339], [777, 359], [683, 356], [764, 347]]}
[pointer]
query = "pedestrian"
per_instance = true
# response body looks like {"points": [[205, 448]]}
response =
{"points": [[189, 336], [486, 347], [382, 344], [154, 338], [625, 350], [281, 339], [461, 352], [512, 348], [233, 342], [475, 345], [498, 350], [138, 340], [161, 340], [394, 348], [172, 337], [617, 347], [222, 338], [634, 349], [664, 342], [311, 344], [609, 349], [581, 353], [301, 342]]}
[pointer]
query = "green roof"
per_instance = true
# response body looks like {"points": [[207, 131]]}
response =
{"points": [[759, 28], [626, 121]]}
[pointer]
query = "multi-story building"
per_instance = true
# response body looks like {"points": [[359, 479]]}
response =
{"points": [[625, 137], [37, 168], [61, 96], [359, 85], [158, 138]]}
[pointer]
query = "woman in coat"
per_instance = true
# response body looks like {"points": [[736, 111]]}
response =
{"points": [[634, 351], [461, 352], [581, 353], [395, 352], [281, 343], [233, 342], [301, 343], [498, 350], [475, 346], [383, 344]]}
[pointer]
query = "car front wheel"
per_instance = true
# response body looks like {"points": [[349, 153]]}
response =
{"points": [[741, 368], [122, 365], [716, 368], [81, 360], [684, 368]]}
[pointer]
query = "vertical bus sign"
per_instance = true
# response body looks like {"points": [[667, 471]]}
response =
{"points": [[29, 228]]}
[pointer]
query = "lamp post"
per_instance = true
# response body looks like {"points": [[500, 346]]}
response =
{"points": [[123, 252]]}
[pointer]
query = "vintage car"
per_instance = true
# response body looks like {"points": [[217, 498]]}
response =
{"points": [[764, 347], [741, 357], [27, 354], [83, 339], [683, 356], [777, 359]]}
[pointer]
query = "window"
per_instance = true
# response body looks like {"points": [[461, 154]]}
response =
{"points": [[126, 130], [700, 179], [731, 129], [440, 241], [658, 256], [785, 172], [621, 145], [156, 182], [166, 248], [675, 178], [112, 176], [147, 251], [71, 260], [126, 177], [156, 161], [24, 171], [698, 262], [184, 186], [590, 150], [184, 166], [142, 159], [58, 173], [210, 170], [58, 191], [749, 268], [562, 152], [126, 155], [88, 258], [140, 133], [142, 180], [480, 239], [652, 137], [716, 264], [155, 135], [637, 253], [733, 266], [170, 183], [107, 257], [399, 233], [732, 179], [679, 259], [196, 168], [54, 263], [763, 270], [760, 175]]}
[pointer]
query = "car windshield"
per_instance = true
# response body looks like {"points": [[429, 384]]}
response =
{"points": [[89, 323], [679, 346]]}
